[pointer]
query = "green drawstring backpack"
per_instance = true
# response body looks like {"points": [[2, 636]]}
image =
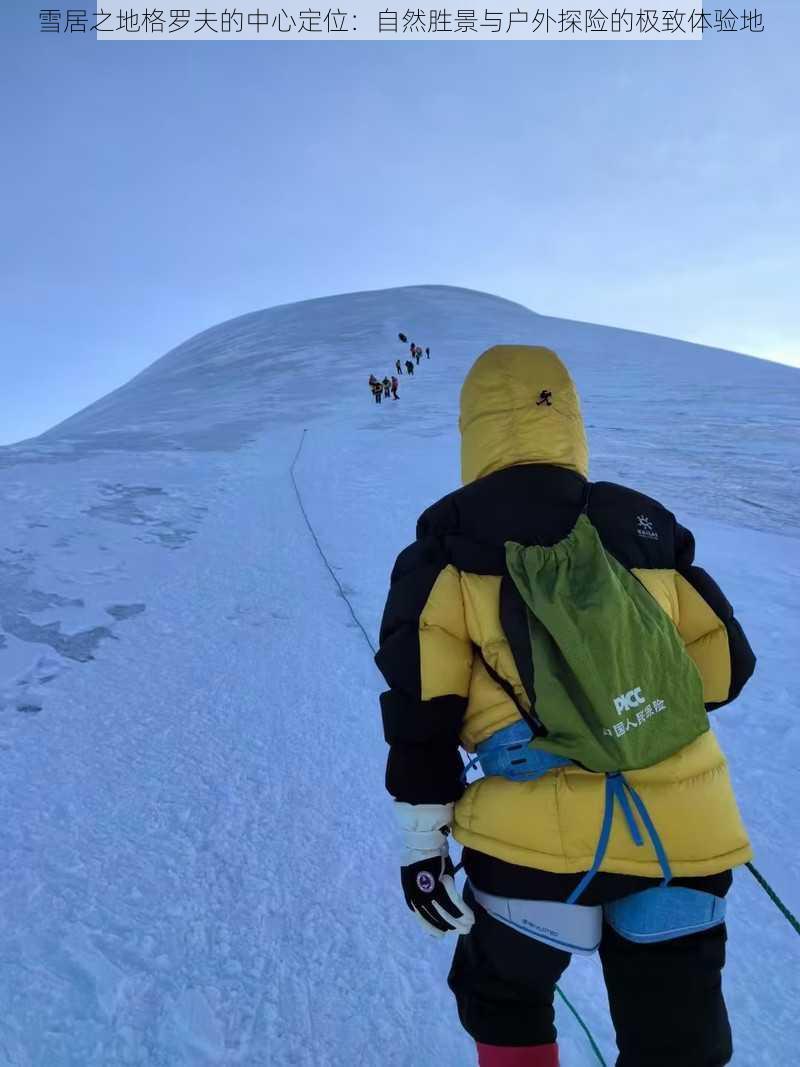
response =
{"points": [[615, 688]]}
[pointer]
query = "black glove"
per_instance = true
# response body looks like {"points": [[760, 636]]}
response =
{"points": [[427, 872]]}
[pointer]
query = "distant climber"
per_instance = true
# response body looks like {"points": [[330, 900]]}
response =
{"points": [[410, 367], [427, 352], [398, 366], [387, 385], [417, 353], [403, 337], [377, 390], [394, 387]]}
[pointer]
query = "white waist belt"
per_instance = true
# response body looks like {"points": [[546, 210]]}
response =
{"points": [[569, 927], [658, 914]]}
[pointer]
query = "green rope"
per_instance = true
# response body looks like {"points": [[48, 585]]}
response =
{"points": [[325, 559], [583, 1025], [773, 896]]}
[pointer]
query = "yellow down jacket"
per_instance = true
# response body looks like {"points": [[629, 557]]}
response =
{"points": [[524, 466]]}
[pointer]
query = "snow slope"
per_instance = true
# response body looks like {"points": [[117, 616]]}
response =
{"points": [[198, 863]]}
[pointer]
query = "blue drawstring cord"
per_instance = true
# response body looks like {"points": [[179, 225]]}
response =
{"points": [[602, 844], [616, 788], [649, 825]]}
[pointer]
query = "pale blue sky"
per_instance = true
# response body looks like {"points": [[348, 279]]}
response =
{"points": [[152, 190]]}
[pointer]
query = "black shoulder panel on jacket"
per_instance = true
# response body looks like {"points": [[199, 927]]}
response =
{"points": [[475, 557], [634, 528], [413, 576]]}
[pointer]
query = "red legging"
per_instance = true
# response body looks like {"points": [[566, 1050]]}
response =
{"points": [[517, 1056]]}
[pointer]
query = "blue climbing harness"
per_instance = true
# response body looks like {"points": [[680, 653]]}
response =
{"points": [[508, 754], [657, 914], [616, 788], [664, 912]]}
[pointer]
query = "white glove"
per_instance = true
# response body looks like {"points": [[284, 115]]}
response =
{"points": [[427, 871]]}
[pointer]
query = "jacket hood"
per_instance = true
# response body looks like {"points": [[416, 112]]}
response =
{"points": [[519, 405]]}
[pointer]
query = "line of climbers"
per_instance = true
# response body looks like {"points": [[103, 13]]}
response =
{"points": [[382, 389], [388, 385]]}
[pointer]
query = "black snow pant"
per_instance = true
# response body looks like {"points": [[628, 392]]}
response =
{"points": [[378, 397], [665, 998]]}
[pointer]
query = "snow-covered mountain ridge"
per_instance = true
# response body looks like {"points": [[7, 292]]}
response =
{"points": [[198, 862]]}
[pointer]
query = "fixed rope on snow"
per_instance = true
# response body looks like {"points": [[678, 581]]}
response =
{"points": [[583, 1025], [342, 593], [773, 896]]}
